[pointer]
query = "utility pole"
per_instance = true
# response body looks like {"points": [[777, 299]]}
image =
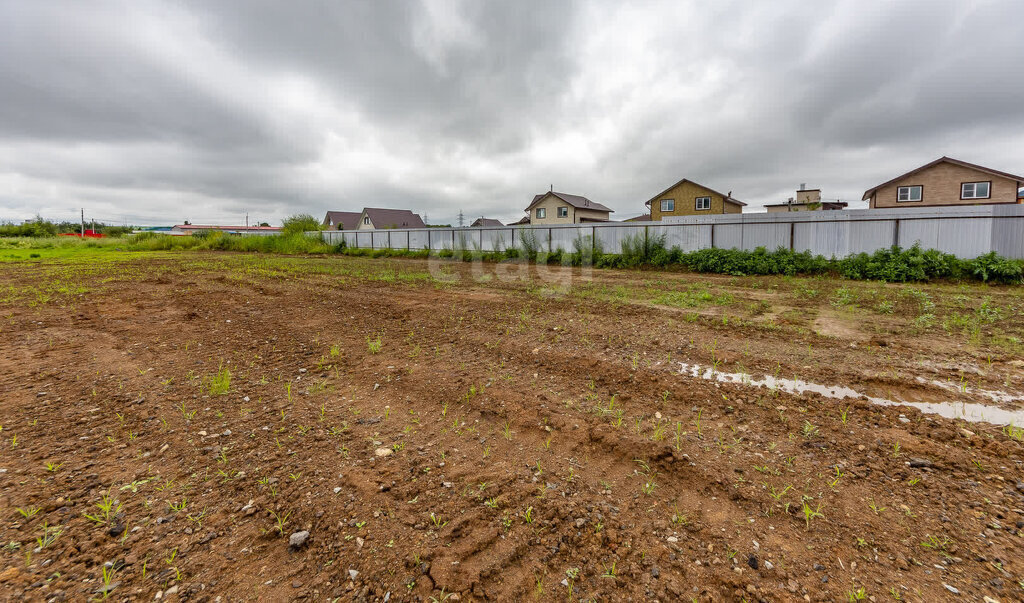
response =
{"points": [[461, 219], [246, 221], [82, 235]]}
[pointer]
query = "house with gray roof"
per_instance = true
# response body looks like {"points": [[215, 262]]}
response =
{"points": [[378, 218], [342, 220], [562, 208]]}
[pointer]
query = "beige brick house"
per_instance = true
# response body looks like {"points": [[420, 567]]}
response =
{"points": [[946, 181], [561, 208], [687, 198]]}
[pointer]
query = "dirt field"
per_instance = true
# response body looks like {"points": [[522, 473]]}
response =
{"points": [[447, 432]]}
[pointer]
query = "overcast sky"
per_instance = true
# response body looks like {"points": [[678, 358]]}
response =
{"points": [[156, 111]]}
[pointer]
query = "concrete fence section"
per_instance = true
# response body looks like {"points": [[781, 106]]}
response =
{"points": [[964, 231]]}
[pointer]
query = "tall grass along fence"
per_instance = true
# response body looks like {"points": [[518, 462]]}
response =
{"points": [[966, 232]]}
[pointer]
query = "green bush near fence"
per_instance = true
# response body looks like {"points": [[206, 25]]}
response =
{"points": [[893, 265]]}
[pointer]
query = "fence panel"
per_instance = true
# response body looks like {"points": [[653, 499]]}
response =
{"points": [[965, 231], [496, 239], [771, 236], [562, 238], [965, 238]]}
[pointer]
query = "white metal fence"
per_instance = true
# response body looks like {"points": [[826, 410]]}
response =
{"points": [[964, 231]]}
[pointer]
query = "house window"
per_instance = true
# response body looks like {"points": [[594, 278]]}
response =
{"points": [[975, 190], [909, 193], [668, 205], [563, 212], [366, 220], [703, 203], [541, 213]]}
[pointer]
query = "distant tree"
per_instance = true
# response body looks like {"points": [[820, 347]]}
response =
{"points": [[264, 224]]}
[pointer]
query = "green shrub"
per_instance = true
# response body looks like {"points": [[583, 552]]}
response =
{"points": [[300, 223], [992, 268]]}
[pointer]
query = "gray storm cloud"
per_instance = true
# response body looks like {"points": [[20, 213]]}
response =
{"points": [[157, 111]]}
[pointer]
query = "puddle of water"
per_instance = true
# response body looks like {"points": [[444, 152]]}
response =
{"points": [[1001, 397], [968, 411]]}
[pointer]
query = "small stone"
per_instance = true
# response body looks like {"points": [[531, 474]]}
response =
{"points": [[302, 370], [9, 574], [951, 589], [383, 452], [298, 539], [296, 584], [917, 463], [336, 490], [768, 565], [580, 522], [352, 574], [655, 572], [171, 591], [967, 433], [752, 561], [672, 539]]}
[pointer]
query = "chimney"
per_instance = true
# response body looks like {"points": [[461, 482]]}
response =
{"points": [[552, 189], [803, 186]]}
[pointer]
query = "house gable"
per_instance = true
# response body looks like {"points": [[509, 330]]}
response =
{"points": [[940, 183]]}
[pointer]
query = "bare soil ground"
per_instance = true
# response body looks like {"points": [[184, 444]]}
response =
{"points": [[452, 432]]}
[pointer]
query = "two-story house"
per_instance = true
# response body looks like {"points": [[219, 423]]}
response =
{"points": [[553, 208], [687, 198], [946, 181]]}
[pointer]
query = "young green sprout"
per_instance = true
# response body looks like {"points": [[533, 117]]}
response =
{"points": [[810, 514]]}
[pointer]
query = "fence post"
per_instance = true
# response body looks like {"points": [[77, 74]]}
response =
{"points": [[593, 244], [712, 235], [389, 239], [792, 229], [550, 249], [896, 233], [430, 245]]}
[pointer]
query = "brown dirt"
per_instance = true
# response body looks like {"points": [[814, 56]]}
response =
{"points": [[525, 430]]}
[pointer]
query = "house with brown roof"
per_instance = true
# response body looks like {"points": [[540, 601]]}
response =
{"points": [[485, 222], [378, 218], [342, 220], [687, 198], [562, 208], [945, 182]]}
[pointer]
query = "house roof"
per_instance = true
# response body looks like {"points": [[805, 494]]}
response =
{"points": [[486, 222], [349, 220], [640, 218], [728, 198], [393, 218], [980, 168], [523, 220], [573, 200]]}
